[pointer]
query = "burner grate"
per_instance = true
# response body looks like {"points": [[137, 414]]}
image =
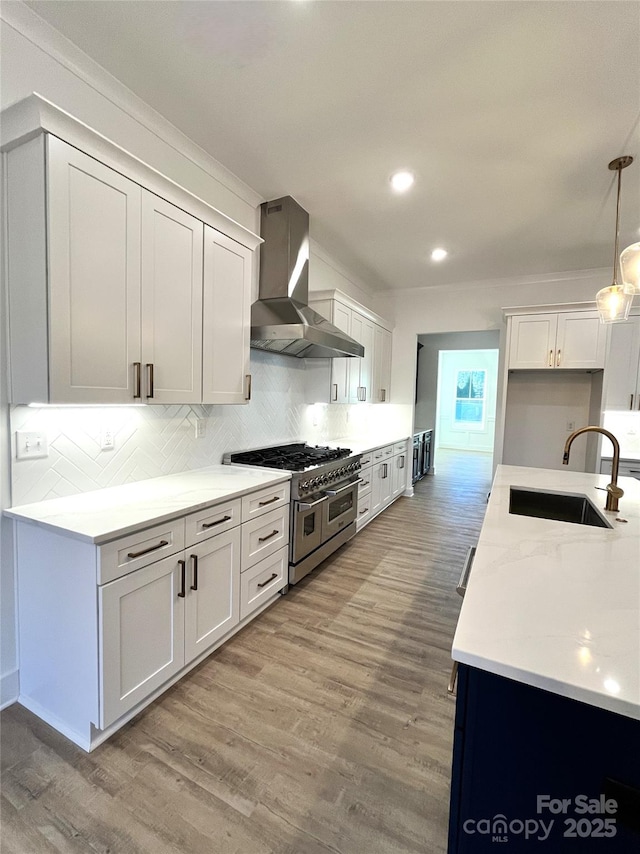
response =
{"points": [[296, 457]]}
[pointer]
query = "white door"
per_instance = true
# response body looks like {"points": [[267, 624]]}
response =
{"points": [[533, 340], [622, 371], [361, 369], [340, 367], [581, 340], [141, 635], [213, 591], [171, 303], [94, 279], [226, 319]]}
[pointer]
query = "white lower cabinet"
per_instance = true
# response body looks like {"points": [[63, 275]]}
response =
{"points": [[140, 610], [155, 621], [383, 479]]}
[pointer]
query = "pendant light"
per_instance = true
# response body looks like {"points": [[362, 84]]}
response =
{"points": [[630, 267], [613, 303]]}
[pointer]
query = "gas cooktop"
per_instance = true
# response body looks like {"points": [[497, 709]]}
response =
{"points": [[295, 457]]}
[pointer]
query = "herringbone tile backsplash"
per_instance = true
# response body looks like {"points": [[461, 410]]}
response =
{"points": [[156, 440]]}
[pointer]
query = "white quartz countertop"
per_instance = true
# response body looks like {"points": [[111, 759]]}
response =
{"points": [[105, 514], [363, 445], [555, 604]]}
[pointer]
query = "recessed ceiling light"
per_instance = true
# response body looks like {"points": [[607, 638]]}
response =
{"points": [[401, 181], [439, 254]]}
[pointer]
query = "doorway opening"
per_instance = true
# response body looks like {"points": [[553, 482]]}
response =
{"points": [[456, 394]]}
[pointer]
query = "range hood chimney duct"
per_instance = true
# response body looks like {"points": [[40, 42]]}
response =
{"points": [[281, 320]]}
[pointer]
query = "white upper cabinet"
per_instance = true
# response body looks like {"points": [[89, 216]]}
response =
{"points": [[622, 374], [351, 380], [171, 303], [564, 340], [106, 282], [227, 319]]}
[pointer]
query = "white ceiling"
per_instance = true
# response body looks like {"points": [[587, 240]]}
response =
{"points": [[507, 112]]}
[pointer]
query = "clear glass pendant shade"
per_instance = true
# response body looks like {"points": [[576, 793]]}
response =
{"points": [[630, 267], [613, 304]]}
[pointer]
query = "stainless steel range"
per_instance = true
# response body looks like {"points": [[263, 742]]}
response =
{"points": [[324, 498]]}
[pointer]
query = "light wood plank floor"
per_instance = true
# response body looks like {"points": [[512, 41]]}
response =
{"points": [[323, 726]]}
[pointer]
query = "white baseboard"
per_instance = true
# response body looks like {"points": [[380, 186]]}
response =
{"points": [[9, 688]]}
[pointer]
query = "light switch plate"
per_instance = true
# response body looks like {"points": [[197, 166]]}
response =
{"points": [[31, 445]]}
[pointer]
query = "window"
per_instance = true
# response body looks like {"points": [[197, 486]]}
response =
{"points": [[470, 387]]}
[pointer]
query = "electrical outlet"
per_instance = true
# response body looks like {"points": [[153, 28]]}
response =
{"points": [[201, 428], [31, 446], [107, 439], [571, 425]]}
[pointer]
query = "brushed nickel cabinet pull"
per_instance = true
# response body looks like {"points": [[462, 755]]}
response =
{"points": [[631, 402], [268, 581], [364, 394], [150, 549], [150, 380], [558, 359], [217, 522], [366, 510], [248, 380], [268, 537], [365, 482], [269, 501], [335, 391], [550, 358], [137, 380], [402, 460], [194, 565], [183, 578], [451, 687]]}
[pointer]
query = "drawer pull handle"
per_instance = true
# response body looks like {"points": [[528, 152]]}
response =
{"points": [[366, 510], [335, 391], [631, 402], [550, 358], [558, 359], [217, 522], [268, 581], [365, 482], [268, 537], [194, 564], [183, 578], [270, 501], [159, 545]]}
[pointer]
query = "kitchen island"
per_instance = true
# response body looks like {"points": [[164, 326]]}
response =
{"points": [[548, 645]]}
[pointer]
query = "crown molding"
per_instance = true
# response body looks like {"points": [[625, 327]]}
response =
{"points": [[45, 37]]}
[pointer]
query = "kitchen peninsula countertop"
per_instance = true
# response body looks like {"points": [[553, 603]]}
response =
{"points": [[104, 514], [554, 604]]}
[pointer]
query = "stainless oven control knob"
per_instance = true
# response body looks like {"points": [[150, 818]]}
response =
{"points": [[304, 485]]}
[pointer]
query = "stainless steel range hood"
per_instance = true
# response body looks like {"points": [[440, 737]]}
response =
{"points": [[281, 320]]}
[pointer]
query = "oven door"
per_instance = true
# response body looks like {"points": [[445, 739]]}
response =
{"points": [[306, 527], [340, 508]]}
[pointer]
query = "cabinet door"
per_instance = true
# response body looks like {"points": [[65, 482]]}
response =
{"points": [[226, 320], [361, 369], [533, 338], [378, 487], [580, 341], [399, 474], [141, 636], [94, 279], [212, 604], [623, 366], [382, 365], [171, 303], [340, 367]]}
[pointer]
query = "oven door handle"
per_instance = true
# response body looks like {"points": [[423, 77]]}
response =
{"points": [[351, 484], [302, 505]]}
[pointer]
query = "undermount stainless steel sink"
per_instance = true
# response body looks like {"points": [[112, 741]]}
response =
{"points": [[555, 505]]}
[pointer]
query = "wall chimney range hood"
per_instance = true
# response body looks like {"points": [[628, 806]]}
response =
{"points": [[281, 320]]}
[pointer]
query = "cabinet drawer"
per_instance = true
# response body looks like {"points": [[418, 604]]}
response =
{"points": [[365, 482], [364, 509], [121, 556], [382, 453], [626, 468], [258, 503], [264, 536], [211, 521], [261, 581], [366, 460], [400, 448]]}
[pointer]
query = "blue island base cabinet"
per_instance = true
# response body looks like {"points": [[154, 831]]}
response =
{"points": [[534, 771]]}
